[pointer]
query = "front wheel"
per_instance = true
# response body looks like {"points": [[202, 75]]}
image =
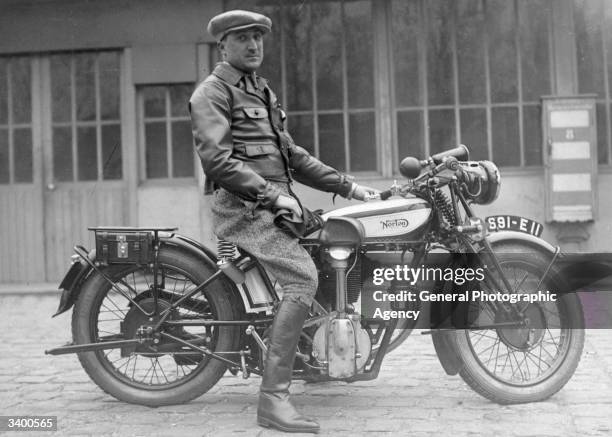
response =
{"points": [[516, 365], [153, 374]]}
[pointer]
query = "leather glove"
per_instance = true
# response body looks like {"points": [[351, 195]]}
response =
{"points": [[360, 192]]}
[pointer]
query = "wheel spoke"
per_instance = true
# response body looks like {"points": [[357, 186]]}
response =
{"points": [[118, 318], [505, 353]]}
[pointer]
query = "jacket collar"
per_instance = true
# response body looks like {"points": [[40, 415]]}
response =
{"points": [[232, 75]]}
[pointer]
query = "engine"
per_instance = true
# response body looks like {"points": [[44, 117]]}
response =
{"points": [[341, 344]]}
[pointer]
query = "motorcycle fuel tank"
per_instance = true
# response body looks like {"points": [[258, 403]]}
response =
{"points": [[393, 219]]}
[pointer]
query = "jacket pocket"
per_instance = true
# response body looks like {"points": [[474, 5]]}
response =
{"points": [[256, 113], [255, 149]]}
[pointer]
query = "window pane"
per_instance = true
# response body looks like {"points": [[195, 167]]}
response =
{"points": [[506, 145], [109, 85], [179, 98], [298, 62], [589, 49], [410, 136], [502, 50], [534, 49], [22, 154], [87, 158], [331, 141], [60, 88], [111, 152], [62, 154], [328, 41], [271, 67], [406, 35], [302, 131], [362, 140], [182, 149], [608, 39], [21, 81], [154, 101], [532, 132], [85, 81], [156, 154], [359, 54], [439, 53], [602, 134], [474, 132], [441, 130], [3, 92], [4, 157], [471, 51]]}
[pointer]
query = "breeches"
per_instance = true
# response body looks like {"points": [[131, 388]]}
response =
{"points": [[281, 255]]}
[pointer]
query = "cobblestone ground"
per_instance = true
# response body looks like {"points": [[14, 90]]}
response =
{"points": [[413, 396]]}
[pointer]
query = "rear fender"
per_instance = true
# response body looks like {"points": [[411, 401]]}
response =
{"points": [[71, 284], [80, 270]]}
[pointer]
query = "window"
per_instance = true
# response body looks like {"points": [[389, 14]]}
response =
{"points": [[469, 71], [472, 72], [593, 25], [166, 131], [16, 159], [85, 116], [320, 63]]}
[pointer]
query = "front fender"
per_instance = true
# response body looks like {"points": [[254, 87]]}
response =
{"points": [[496, 238], [443, 343]]}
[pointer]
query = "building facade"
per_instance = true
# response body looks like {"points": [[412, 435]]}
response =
{"points": [[94, 128]]}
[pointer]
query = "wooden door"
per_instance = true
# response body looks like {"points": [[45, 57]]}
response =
{"points": [[83, 153], [21, 214]]}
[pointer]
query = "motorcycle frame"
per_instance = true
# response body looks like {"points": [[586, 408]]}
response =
{"points": [[251, 324]]}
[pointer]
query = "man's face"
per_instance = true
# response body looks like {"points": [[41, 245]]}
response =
{"points": [[243, 49]]}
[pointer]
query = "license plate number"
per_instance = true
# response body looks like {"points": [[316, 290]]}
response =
{"points": [[514, 223]]}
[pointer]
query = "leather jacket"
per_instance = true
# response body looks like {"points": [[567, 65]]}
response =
{"points": [[240, 136]]}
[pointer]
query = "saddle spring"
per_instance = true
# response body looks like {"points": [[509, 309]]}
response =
{"points": [[226, 253], [226, 250]]}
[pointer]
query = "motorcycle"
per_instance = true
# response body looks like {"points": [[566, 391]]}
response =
{"points": [[159, 318]]}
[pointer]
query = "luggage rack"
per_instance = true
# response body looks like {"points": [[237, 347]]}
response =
{"points": [[127, 245]]}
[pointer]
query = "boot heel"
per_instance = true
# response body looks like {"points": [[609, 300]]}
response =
{"points": [[263, 422]]}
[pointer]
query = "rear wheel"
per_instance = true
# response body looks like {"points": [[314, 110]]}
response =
{"points": [[153, 374], [515, 365]]}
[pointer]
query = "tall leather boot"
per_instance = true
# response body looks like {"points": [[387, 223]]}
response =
{"points": [[275, 409]]}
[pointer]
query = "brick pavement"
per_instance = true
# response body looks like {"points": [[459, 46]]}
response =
{"points": [[412, 396]]}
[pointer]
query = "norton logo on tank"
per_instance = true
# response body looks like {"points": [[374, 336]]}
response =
{"points": [[394, 224]]}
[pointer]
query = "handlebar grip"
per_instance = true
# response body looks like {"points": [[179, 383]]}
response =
{"points": [[384, 195], [462, 153]]}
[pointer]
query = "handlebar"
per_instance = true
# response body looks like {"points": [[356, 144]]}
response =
{"points": [[411, 168]]}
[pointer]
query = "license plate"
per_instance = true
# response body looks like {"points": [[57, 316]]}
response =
{"points": [[514, 223]]}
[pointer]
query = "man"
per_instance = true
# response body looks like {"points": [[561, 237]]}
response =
{"points": [[250, 160]]}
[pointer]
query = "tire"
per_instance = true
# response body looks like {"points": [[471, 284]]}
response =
{"points": [[172, 374], [531, 378]]}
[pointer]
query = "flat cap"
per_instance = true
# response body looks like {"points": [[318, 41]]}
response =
{"points": [[230, 21]]}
